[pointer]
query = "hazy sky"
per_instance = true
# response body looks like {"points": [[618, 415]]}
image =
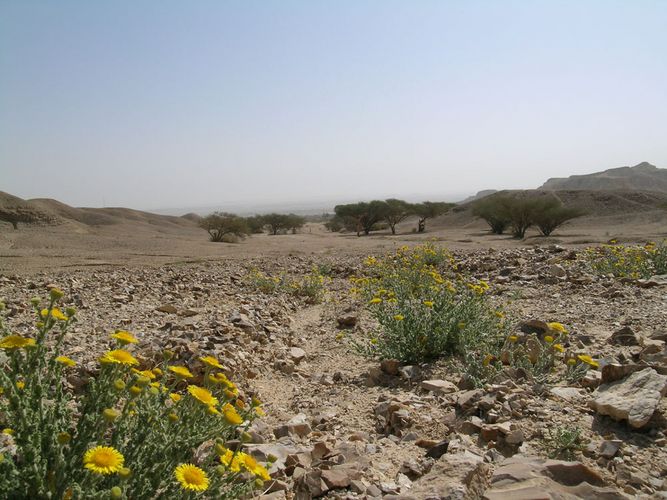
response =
{"points": [[162, 103]]}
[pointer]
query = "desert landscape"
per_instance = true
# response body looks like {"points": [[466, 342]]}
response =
{"points": [[343, 424], [364, 249]]}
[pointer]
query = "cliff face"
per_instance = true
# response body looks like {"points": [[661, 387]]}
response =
{"points": [[642, 177]]}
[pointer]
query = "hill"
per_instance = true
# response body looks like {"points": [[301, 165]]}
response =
{"points": [[641, 177], [53, 212]]}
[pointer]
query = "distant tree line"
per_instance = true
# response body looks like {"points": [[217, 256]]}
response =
{"points": [[368, 216], [518, 213], [224, 226]]}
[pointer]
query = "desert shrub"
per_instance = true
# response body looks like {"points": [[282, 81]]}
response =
{"points": [[335, 224], [520, 213], [627, 261], [543, 358], [312, 286], [494, 211], [562, 443], [221, 226], [362, 216], [396, 211], [550, 214], [255, 224], [423, 312], [132, 431]]}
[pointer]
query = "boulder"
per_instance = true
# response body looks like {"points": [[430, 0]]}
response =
{"points": [[634, 398]]}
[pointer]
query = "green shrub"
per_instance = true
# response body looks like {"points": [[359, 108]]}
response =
{"points": [[627, 261], [421, 313], [221, 226], [132, 431]]}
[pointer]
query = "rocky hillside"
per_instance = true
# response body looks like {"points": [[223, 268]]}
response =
{"points": [[641, 177]]}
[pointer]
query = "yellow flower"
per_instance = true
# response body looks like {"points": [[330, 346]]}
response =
{"points": [[212, 410], [513, 338], [20, 385], [56, 293], [103, 460], [181, 371], [557, 327], [119, 356], [585, 358], [8, 431], [55, 313], [230, 460], [559, 347], [124, 337], [202, 395], [64, 360], [211, 361], [110, 414], [399, 317], [259, 411], [144, 373], [16, 342], [175, 397], [548, 339], [231, 415], [191, 477], [571, 362], [375, 300], [488, 359], [428, 303]]}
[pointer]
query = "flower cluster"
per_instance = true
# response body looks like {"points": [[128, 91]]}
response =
{"points": [[627, 261], [424, 306], [312, 286], [131, 432]]}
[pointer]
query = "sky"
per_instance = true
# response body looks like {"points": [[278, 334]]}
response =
{"points": [[159, 104]]}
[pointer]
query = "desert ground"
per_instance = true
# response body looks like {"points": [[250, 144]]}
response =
{"points": [[345, 426]]}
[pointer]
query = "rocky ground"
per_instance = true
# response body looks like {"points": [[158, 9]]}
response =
{"points": [[343, 426]]}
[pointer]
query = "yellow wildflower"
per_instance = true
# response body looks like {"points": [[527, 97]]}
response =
{"points": [[585, 358], [428, 303], [513, 338], [103, 460], [375, 300], [16, 342], [181, 371], [399, 317], [211, 361], [231, 415], [175, 397], [124, 337], [119, 356], [202, 395], [64, 360], [557, 327], [559, 347], [548, 339], [191, 477]]}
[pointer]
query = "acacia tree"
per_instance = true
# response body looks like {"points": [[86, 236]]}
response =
{"points": [[429, 210], [552, 214], [255, 224], [295, 222], [220, 224], [362, 216], [493, 209], [276, 222], [395, 211]]}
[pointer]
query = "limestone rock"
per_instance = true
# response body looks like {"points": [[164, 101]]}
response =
{"points": [[439, 386], [634, 398]]}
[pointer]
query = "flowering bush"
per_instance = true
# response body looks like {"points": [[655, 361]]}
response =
{"points": [[628, 262], [538, 357], [312, 286], [425, 309], [130, 432]]}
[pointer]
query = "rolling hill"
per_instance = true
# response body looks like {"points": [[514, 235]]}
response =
{"points": [[641, 177]]}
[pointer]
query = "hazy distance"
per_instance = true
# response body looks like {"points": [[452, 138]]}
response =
{"points": [[170, 105]]}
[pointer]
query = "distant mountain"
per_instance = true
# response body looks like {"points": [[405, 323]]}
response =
{"points": [[642, 177], [478, 196]]}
